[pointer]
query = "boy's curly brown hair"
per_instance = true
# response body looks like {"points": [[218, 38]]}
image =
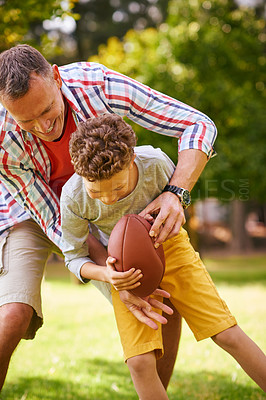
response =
{"points": [[102, 146]]}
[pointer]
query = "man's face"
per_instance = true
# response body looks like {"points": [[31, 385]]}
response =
{"points": [[41, 111]]}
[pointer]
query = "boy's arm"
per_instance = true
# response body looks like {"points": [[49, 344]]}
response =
{"points": [[107, 273], [76, 247]]}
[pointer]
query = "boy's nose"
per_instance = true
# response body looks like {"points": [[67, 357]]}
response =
{"points": [[108, 200]]}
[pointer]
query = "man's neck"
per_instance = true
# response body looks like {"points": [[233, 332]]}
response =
{"points": [[65, 121]]}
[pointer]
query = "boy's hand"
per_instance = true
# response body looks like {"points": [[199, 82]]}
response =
{"points": [[122, 280], [141, 308]]}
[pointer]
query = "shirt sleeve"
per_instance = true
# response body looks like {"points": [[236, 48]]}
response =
{"points": [[25, 182], [159, 113], [75, 231]]}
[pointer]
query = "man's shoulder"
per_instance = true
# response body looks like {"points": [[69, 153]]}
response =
{"points": [[7, 122], [83, 74]]}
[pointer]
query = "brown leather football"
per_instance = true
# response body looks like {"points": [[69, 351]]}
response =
{"points": [[132, 247]]}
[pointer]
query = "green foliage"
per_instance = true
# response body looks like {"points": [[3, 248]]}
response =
{"points": [[101, 19], [21, 22], [211, 55]]}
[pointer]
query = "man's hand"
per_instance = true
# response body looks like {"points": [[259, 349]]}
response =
{"points": [[141, 308], [170, 217]]}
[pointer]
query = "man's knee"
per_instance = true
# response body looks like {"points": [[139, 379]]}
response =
{"points": [[15, 319]]}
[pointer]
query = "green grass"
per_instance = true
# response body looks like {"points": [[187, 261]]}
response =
{"points": [[236, 270], [77, 353]]}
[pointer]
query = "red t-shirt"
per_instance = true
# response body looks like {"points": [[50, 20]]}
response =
{"points": [[58, 153]]}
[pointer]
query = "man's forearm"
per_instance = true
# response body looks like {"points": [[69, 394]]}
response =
{"points": [[189, 167]]}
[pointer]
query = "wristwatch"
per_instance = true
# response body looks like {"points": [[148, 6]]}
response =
{"points": [[183, 194]]}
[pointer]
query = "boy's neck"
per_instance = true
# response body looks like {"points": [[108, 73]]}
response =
{"points": [[133, 178]]}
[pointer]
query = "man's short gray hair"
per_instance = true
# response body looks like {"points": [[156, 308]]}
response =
{"points": [[16, 66]]}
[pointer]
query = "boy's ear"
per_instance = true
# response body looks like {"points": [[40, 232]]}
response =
{"points": [[132, 161]]}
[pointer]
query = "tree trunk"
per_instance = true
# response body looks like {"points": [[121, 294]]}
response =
{"points": [[240, 241]]}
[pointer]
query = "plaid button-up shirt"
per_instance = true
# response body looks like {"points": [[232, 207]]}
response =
{"points": [[90, 89]]}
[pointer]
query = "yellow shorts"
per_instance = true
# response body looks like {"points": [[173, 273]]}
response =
{"points": [[192, 293]]}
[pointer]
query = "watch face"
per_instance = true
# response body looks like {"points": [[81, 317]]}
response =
{"points": [[186, 198], [183, 194]]}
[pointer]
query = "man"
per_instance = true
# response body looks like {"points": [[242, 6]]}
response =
{"points": [[41, 106]]}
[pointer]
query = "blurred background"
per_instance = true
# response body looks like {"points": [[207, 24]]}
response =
{"points": [[209, 54]]}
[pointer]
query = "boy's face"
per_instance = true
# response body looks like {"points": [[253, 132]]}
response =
{"points": [[109, 191]]}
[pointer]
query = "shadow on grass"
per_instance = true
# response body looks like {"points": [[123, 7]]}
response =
{"points": [[109, 380], [204, 385]]}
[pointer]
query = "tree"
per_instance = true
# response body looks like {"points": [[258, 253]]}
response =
{"points": [[21, 22], [101, 19], [210, 54]]}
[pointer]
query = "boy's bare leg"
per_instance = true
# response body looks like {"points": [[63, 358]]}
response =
{"points": [[144, 375], [171, 337], [245, 351]]}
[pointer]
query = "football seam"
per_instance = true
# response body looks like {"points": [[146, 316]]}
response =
{"points": [[123, 243]]}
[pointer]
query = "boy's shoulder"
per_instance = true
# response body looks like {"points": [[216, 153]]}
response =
{"points": [[73, 186], [149, 154], [148, 151]]}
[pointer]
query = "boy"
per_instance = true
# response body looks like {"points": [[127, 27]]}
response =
{"points": [[115, 178]]}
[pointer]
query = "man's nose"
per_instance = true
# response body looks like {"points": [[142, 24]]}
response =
{"points": [[42, 125]]}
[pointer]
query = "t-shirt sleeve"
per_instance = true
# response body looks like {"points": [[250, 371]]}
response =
{"points": [[75, 231]]}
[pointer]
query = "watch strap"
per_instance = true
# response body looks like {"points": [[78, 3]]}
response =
{"points": [[178, 191]]}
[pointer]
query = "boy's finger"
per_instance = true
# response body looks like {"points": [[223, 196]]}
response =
{"points": [[111, 260], [126, 286]]}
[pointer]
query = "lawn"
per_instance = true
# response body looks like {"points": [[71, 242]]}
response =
{"points": [[77, 354]]}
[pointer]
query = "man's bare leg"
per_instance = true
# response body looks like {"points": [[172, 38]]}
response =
{"points": [[14, 322], [171, 337]]}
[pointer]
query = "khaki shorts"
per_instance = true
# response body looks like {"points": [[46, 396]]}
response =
{"points": [[192, 293], [23, 255]]}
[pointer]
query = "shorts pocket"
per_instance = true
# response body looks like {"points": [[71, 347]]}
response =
{"points": [[3, 268]]}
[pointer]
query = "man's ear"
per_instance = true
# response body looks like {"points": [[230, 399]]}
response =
{"points": [[57, 76]]}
